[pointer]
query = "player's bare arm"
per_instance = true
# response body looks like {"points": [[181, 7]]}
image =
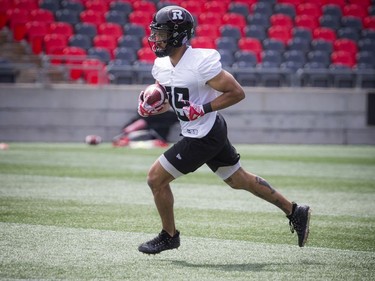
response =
{"points": [[231, 90]]}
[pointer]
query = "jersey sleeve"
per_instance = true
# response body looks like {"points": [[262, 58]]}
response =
{"points": [[210, 66]]}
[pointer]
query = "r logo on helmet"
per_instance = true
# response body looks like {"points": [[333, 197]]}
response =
{"points": [[176, 15]]}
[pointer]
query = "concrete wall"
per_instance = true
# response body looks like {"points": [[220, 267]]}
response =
{"points": [[67, 113]]}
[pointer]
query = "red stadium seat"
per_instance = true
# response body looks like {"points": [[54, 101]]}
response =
{"points": [[42, 15], [251, 44], [97, 5], [207, 30], [295, 3], [94, 72], [146, 55], [210, 18], [369, 22], [234, 19], [110, 28], [54, 42], [309, 9], [281, 33], [344, 44], [17, 22], [344, 58], [90, 16], [108, 42], [144, 6], [62, 28], [281, 20], [5, 5], [355, 10], [194, 7], [141, 18], [75, 56], [306, 21], [324, 33], [217, 7], [203, 42], [340, 3], [26, 4], [364, 3], [35, 32]]}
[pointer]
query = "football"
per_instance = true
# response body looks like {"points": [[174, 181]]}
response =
{"points": [[155, 95], [93, 140]]}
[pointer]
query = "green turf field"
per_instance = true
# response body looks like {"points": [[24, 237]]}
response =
{"points": [[71, 211]]}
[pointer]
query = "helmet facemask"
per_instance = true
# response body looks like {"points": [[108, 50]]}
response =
{"points": [[160, 42]]}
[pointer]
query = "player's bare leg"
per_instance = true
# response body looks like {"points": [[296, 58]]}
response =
{"points": [[299, 216], [169, 238]]}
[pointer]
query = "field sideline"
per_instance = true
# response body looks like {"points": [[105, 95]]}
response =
{"points": [[71, 211]]}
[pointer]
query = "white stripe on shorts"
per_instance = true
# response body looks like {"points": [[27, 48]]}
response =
{"points": [[169, 167], [226, 171]]}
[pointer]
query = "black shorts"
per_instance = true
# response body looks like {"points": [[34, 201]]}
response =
{"points": [[214, 149]]}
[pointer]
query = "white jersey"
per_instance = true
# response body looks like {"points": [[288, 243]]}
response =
{"points": [[187, 81]]}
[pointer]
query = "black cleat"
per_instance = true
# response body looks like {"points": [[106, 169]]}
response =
{"points": [[160, 243], [299, 221]]}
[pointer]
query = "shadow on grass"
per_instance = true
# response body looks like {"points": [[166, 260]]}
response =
{"points": [[242, 267]]}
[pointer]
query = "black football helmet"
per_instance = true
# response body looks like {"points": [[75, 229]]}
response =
{"points": [[172, 25]]}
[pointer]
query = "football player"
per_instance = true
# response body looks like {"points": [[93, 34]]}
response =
{"points": [[197, 89]]}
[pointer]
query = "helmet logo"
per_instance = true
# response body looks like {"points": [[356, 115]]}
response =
{"points": [[177, 15]]}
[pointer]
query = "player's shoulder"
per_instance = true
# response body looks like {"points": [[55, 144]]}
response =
{"points": [[201, 54]]}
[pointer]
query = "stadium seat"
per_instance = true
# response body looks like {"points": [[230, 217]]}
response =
{"points": [[343, 58], [332, 10], [368, 34], [81, 41], [354, 10], [251, 44], [263, 8], [286, 9], [122, 7], [208, 31], [42, 15], [51, 5], [129, 41], [315, 75], [239, 8], [366, 45], [124, 53], [226, 43], [352, 22], [5, 5], [194, 7], [227, 58], [54, 42], [324, 33], [93, 17], [74, 6], [271, 44], [330, 22], [210, 18], [146, 55], [322, 45], [294, 3], [35, 32], [100, 53], [258, 19], [366, 58], [255, 31], [144, 6], [140, 18], [17, 19], [280, 33], [69, 16], [135, 30], [349, 33], [245, 60], [120, 72], [25, 4], [108, 42], [281, 20], [116, 17], [319, 56], [96, 5], [216, 7], [85, 28], [369, 22], [203, 42], [75, 56], [345, 45], [299, 44], [230, 31], [62, 28], [94, 71], [309, 9], [306, 21], [296, 56], [342, 76], [234, 19], [273, 57], [110, 28], [301, 32]]}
